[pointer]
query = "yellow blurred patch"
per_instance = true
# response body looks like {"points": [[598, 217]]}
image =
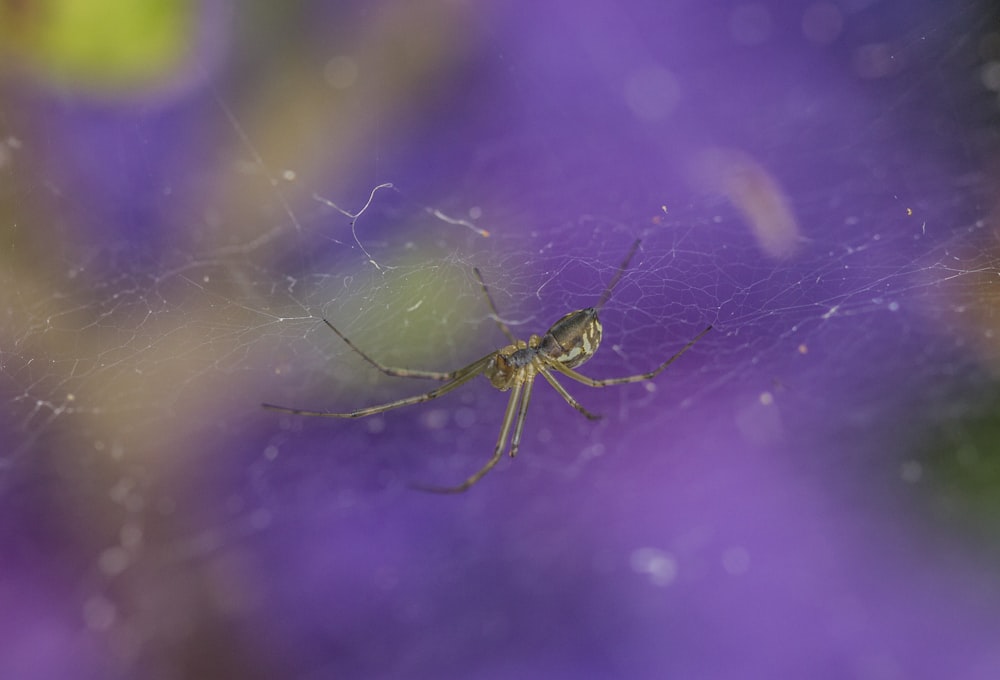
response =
{"points": [[96, 44], [755, 193]]}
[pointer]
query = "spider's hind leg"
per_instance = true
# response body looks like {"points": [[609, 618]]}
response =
{"points": [[389, 370], [513, 410]]}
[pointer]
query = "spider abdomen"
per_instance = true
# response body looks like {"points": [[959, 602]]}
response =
{"points": [[574, 338]]}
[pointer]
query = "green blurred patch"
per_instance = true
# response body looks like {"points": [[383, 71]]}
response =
{"points": [[96, 44], [419, 315], [962, 463]]}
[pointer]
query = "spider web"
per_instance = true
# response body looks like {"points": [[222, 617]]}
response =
{"points": [[838, 234]]}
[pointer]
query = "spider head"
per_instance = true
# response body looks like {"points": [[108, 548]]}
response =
{"points": [[574, 338]]}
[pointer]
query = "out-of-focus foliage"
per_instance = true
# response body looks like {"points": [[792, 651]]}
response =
{"points": [[105, 45]]}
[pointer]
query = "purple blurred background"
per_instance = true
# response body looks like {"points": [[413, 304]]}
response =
{"points": [[811, 491]]}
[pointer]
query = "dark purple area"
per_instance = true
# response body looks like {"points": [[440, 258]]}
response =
{"points": [[751, 517]]}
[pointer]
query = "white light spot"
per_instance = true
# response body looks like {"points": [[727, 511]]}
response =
{"points": [[121, 491], [475, 212], [593, 451], [652, 93], [232, 585], [288, 175], [465, 417], [761, 422], [990, 75], [341, 72], [822, 23], [876, 60], [135, 503], [130, 535], [751, 24], [853, 6], [271, 452], [911, 471], [99, 613], [113, 561], [234, 504], [736, 560], [435, 419], [967, 455], [661, 567], [894, 306], [386, 578], [212, 218], [260, 519]]}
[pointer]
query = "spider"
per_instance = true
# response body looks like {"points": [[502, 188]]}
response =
{"points": [[570, 341]]}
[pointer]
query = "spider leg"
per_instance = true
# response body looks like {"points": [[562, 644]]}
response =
{"points": [[566, 395], [606, 295], [522, 411], [508, 420], [389, 370], [590, 382], [493, 307], [462, 376]]}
